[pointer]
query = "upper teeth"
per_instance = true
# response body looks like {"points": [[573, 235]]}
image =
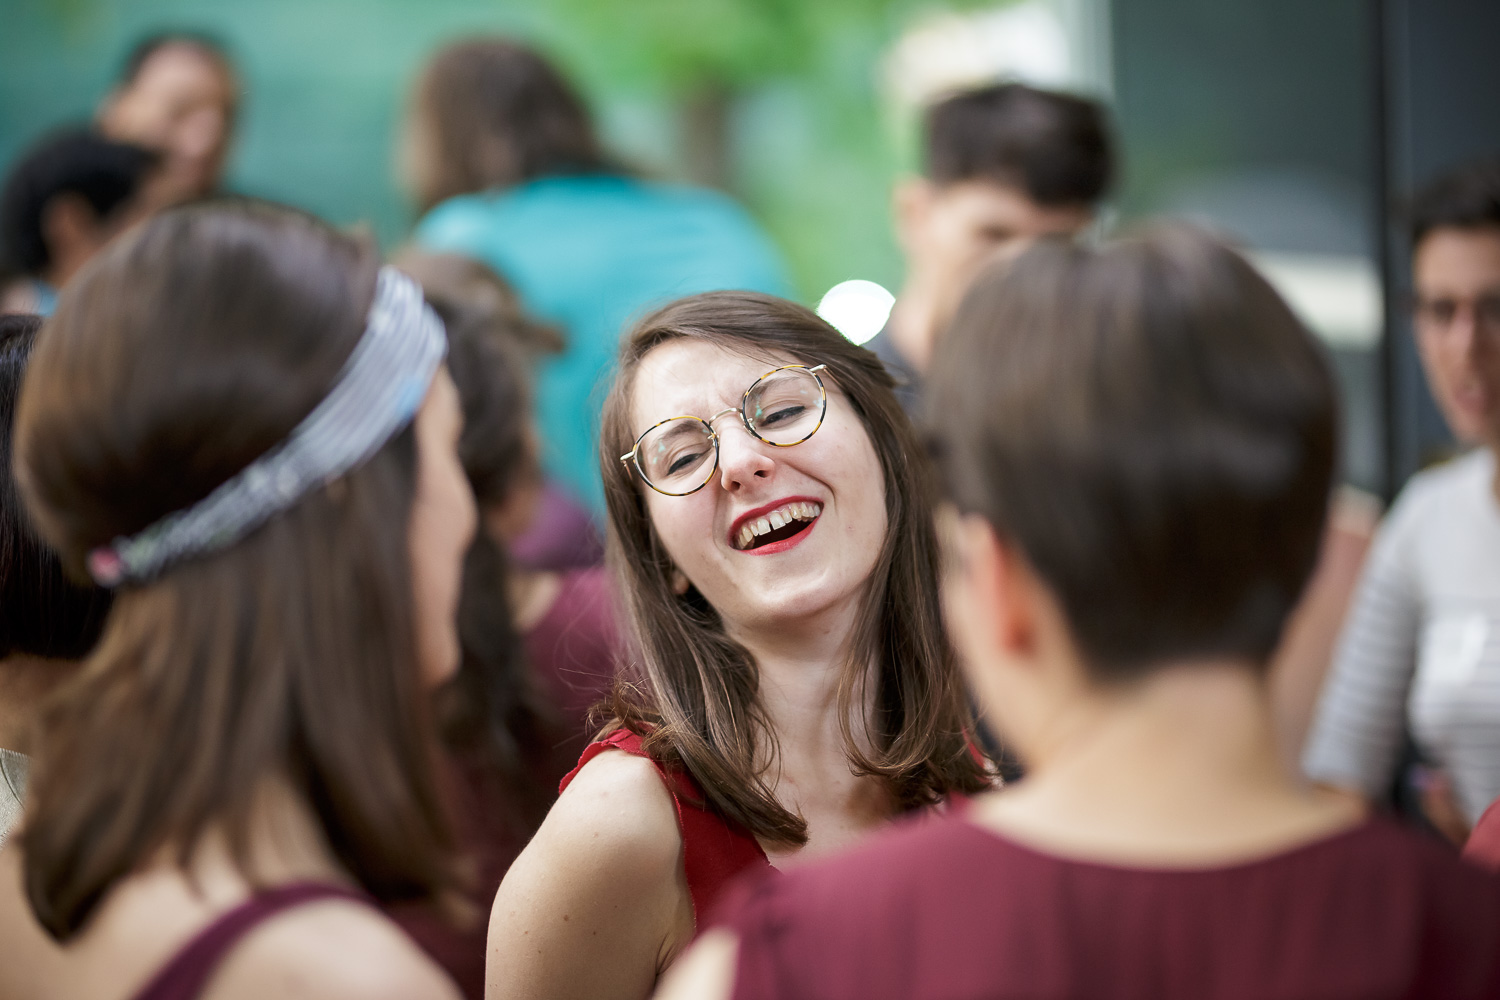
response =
{"points": [[778, 518]]}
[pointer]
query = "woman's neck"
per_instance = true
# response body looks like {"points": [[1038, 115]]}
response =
{"points": [[1181, 768], [801, 665], [801, 670], [284, 843], [25, 683]]}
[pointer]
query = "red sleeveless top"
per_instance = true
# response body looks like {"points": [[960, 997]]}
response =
{"points": [[714, 849], [187, 973]]}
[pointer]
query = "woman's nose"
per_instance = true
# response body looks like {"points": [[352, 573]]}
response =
{"points": [[743, 457]]}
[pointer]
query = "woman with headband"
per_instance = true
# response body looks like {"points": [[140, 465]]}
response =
{"points": [[775, 554], [242, 424]]}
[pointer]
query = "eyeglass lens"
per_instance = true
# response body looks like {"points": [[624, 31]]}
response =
{"points": [[783, 408]]}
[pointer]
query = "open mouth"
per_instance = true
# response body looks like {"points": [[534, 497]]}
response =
{"points": [[786, 521]]}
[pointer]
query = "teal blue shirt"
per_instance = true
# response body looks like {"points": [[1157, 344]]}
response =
{"points": [[592, 254]]}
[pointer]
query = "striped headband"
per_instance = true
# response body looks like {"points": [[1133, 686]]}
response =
{"points": [[376, 394]]}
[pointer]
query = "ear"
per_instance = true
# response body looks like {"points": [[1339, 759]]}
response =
{"points": [[680, 582], [70, 228], [911, 202], [989, 593]]}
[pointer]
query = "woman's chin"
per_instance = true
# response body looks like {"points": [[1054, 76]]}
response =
{"points": [[791, 608]]}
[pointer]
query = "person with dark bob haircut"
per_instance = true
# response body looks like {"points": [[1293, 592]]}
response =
{"points": [[1001, 164], [791, 686], [1421, 646], [47, 621], [1136, 447], [502, 158], [62, 202], [242, 424]]}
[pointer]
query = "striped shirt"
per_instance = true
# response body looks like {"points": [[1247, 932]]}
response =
{"points": [[1420, 651], [13, 768]]}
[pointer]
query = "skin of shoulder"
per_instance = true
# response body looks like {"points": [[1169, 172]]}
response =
{"points": [[331, 950], [597, 904], [706, 971], [34, 966]]}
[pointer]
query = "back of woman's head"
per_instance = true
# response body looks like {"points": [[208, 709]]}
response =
{"points": [[184, 352], [1152, 427], [493, 113], [43, 612]]}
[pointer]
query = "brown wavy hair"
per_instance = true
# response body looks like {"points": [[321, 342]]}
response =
{"points": [[180, 354], [493, 113], [693, 695]]}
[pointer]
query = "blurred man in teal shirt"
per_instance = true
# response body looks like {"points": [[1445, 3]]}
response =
{"points": [[502, 157]]}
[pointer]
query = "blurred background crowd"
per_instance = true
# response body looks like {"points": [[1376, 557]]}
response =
{"points": [[1295, 128]]}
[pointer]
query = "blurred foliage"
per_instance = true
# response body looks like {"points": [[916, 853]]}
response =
{"points": [[681, 43]]}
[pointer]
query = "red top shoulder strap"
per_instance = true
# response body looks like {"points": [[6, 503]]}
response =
{"points": [[714, 848], [186, 973]]}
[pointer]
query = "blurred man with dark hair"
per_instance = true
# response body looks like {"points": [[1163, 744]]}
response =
{"points": [[1419, 649], [67, 197], [1002, 164], [178, 94]]}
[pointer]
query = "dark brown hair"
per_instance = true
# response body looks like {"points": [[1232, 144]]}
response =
{"points": [[1155, 430], [695, 697], [180, 354], [453, 280], [43, 612], [495, 113], [1465, 198], [492, 709], [206, 45], [1054, 147], [106, 175]]}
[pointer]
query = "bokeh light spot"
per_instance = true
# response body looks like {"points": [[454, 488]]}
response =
{"points": [[857, 308]]}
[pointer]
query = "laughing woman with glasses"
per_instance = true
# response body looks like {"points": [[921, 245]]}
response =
{"points": [[776, 557]]}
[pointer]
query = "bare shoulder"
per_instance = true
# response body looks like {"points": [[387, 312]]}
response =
{"points": [[33, 966], [333, 950], [617, 806], [597, 904]]}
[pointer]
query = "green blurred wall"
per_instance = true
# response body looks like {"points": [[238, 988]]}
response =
{"points": [[326, 79]]}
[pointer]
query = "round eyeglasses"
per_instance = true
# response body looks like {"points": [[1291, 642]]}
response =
{"points": [[679, 455]]}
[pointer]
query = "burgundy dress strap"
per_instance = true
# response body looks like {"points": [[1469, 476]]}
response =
{"points": [[714, 848], [187, 973]]}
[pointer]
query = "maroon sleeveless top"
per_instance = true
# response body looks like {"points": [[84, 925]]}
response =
{"points": [[714, 849], [187, 973], [947, 909]]}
